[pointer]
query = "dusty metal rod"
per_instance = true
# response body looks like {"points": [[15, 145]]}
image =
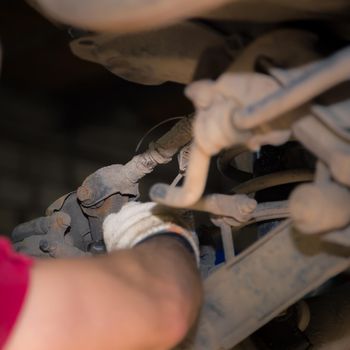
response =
{"points": [[264, 211], [160, 151], [227, 240], [271, 210], [239, 207], [313, 81]]}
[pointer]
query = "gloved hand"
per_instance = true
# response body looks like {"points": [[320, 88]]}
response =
{"points": [[136, 222]]}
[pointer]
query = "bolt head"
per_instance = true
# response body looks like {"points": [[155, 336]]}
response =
{"points": [[84, 193]]}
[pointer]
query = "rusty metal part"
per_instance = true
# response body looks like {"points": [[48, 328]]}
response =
{"points": [[275, 179], [34, 227], [124, 179], [268, 46], [162, 150], [267, 211], [211, 134], [219, 118], [264, 211], [240, 207], [218, 99], [318, 208], [240, 210], [326, 145], [102, 193], [97, 214], [312, 81], [217, 102], [105, 182], [263, 281], [46, 236], [80, 231], [237, 211], [85, 227], [153, 57]]}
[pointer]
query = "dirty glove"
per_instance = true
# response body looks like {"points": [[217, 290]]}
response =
{"points": [[136, 222]]}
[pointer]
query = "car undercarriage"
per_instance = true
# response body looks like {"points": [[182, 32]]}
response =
{"points": [[263, 160]]}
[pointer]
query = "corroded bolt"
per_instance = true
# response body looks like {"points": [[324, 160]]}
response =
{"points": [[84, 193], [44, 246], [62, 219]]}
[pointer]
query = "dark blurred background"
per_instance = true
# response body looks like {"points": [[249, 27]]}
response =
{"points": [[63, 118]]}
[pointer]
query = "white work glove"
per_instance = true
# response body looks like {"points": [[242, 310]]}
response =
{"points": [[137, 221]]}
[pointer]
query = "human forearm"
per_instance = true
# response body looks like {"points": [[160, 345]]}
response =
{"points": [[174, 267], [165, 271], [140, 298]]}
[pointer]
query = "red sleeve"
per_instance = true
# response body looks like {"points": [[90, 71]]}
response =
{"points": [[14, 280]]}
